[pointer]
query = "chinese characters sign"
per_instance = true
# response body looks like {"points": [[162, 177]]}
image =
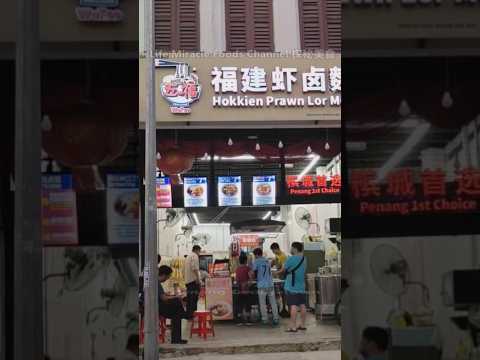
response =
{"points": [[256, 80], [313, 185], [238, 87], [408, 192]]}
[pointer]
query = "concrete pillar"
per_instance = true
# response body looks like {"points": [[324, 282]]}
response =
{"points": [[212, 25], [286, 25]]}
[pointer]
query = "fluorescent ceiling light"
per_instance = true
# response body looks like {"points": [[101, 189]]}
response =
{"points": [[309, 167], [233, 158], [195, 217], [267, 215], [415, 137]]}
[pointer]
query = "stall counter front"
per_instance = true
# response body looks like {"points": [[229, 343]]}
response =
{"points": [[219, 297]]}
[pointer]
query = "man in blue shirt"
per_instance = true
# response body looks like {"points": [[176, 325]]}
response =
{"points": [[261, 267], [295, 292]]}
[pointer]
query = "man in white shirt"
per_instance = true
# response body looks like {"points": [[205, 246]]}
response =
{"points": [[193, 280]]}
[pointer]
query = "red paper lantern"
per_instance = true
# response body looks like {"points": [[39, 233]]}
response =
{"points": [[175, 161]]}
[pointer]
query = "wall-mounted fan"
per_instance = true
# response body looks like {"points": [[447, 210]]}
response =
{"points": [[391, 272], [173, 217], [303, 218], [201, 239]]}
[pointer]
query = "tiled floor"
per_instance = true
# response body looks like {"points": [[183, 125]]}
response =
{"points": [[314, 355], [229, 334]]}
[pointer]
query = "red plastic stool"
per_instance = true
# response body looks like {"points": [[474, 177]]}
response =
{"points": [[204, 322], [162, 330]]}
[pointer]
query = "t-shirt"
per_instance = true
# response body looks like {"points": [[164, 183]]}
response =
{"points": [[280, 260], [192, 266], [292, 263], [161, 291], [242, 277], [264, 273]]}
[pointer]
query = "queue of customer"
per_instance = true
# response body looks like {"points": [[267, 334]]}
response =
{"points": [[292, 269]]}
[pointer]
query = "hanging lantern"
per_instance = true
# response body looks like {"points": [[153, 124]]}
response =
{"points": [[175, 162]]}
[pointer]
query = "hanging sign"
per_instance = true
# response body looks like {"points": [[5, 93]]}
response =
{"points": [[164, 192], [229, 191], [59, 211], [402, 195], [264, 190], [195, 191], [123, 208], [313, 185], [99, 11]]}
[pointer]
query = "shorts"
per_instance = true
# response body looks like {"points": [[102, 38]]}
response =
{"points": [[296, 299]]}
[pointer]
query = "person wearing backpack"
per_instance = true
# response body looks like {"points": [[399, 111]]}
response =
{"points": [[295, 293]]}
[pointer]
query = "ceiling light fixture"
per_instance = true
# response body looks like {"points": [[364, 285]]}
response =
{"points": [[404, 108], [267, 215], [309, 150], [257, 147], [46, 123], [309, 167], [159, 156], [447, 100], [230, 142], [415, 137], [280, 144]]}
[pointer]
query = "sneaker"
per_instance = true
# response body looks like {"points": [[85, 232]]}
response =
{"points": [[240, 324], [276, 323], [248, 323]]}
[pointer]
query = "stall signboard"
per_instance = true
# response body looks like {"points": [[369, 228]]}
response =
{"points": [[309, 185], [195, 192], [229, 191], [59, 211], [123, 208], [245, 87], [264, 190], [219, 297], [247, 242], [413, 192], [164, 192]]}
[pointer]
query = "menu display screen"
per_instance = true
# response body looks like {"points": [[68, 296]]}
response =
{"points": [[164, 192], [229, 191], [195, 192], [264, 190]]}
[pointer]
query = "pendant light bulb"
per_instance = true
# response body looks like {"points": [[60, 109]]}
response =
{"points": [[327, 146], [447, 100], [159, 156], [309, 150], [230, 142], [46, 123], [404, 108], [205, 156], [280, 144], [257, 147]]}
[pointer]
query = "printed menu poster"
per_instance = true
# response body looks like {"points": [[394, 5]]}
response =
{"points": [[229, 191], [59, 211], [123, 208], [219, 297], [264, 190], [164, 192], [195, 192]]}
